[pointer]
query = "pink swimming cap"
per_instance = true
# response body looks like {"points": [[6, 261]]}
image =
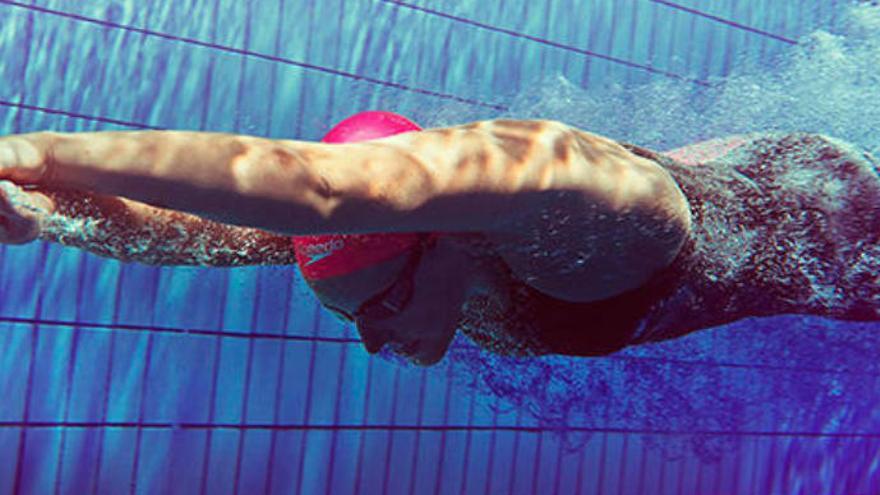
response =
{"points": [[333, 255]]}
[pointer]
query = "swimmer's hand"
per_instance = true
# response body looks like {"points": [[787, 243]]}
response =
{"points": [[21, 212], [23, 161], [25, 158]]}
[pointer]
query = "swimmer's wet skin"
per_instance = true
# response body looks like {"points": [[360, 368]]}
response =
{"points": [[575, 228], [469, 178], [492, 178]]}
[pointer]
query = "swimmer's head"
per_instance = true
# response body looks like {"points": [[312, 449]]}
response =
{"points": [[346, 270]]}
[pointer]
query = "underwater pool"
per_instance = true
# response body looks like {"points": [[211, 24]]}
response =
{"points": [[118, 378]]}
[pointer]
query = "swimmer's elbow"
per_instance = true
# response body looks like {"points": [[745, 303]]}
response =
{"points": [[304, 188]]}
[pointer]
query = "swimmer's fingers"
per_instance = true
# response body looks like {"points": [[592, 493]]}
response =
{"points": [[21, 213], [25, 158]]}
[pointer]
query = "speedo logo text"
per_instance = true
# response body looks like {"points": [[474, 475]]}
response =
{"points": [[317, 252]]}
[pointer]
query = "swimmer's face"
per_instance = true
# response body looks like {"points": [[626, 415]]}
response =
{"points": [[424, 328]]}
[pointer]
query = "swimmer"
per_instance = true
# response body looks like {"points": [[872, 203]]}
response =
{"points": [[531, 237]]}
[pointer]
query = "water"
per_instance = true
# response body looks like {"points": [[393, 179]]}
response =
{"points": [[128, 378], [760, 377]]}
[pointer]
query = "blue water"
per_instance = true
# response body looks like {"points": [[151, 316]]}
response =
{"points": [[121, 378]]}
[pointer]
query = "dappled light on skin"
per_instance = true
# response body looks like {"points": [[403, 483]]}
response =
{"points": [[743, 373]]}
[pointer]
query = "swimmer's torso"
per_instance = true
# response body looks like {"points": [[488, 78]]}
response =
{"points": [[781, 224]]}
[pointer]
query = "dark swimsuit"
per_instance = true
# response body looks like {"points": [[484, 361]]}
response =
{"points": [[786, 223]]}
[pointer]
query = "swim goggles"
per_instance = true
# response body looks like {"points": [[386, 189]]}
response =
{"points": [[395, 298]]}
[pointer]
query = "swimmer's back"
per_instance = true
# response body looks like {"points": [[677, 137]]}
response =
{"points": [[783, 223]]}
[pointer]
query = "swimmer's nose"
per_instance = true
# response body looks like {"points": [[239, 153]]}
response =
{"points": [[374, 339]]}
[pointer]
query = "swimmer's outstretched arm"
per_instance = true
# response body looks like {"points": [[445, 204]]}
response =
{"points": [[477, 177], [131, 231]]}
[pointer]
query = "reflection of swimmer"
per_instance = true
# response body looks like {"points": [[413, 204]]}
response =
{"points": [[543, 238]]}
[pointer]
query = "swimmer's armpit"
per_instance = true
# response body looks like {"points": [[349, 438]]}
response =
{"points": [[135, 232]]}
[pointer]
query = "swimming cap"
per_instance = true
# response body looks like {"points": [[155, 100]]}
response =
{"points": [[333, 255]]}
